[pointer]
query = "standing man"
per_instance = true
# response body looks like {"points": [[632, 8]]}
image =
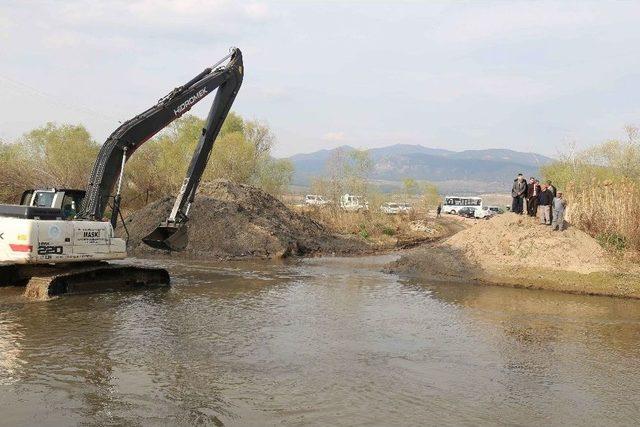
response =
{"points": [[545, 198], [518, 193], [438, 210], [551, 188], [532, 196], [559, 205]]}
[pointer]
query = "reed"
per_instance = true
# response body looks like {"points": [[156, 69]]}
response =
{"points": [[608, 210], [368, 224]]}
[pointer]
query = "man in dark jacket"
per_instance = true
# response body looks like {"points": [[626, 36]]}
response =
{"points": [[533, 188], [545, 198], [518, 193], [551, 188]]}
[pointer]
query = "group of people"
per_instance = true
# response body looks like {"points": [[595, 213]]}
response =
{"points": [[539, 199]]}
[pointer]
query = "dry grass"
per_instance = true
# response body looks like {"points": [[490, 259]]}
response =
{"points": [[375, 226], [608, 210]]}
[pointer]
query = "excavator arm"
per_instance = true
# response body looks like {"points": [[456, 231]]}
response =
{"points": [[109, 166]]}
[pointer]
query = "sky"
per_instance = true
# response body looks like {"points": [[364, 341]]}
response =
{"points": [[531, 76]]}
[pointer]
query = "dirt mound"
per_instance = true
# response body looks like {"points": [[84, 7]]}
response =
{"points": [[517, 251], [520, 241], [229, 220]]}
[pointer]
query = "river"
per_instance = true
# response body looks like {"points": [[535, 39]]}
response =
{"points": [[330, 341]]}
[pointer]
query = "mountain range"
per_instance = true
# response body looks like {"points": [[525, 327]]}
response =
{"points": [[469, 171]]}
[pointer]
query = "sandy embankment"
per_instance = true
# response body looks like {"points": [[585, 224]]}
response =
{"points": [[511, 250]]}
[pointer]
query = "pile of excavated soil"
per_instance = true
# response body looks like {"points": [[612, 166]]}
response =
{"points": [[230, 220], [517, 251], [520, 241]]}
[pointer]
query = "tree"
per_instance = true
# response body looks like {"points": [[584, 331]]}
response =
{"points": [[260, 136], [13, 172], [358, 168], [347, 172], [275, 175], [57, 155], [241, 153], [430, 195], [63, 155], [233, 158], [410, 187]]}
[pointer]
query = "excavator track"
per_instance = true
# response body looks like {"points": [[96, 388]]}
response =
{"points": [[101, 277]]}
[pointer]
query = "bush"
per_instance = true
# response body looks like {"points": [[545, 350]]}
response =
{"points": [[613, 241], [363, 231], [602, 187], [63, 155], [388, 231]]}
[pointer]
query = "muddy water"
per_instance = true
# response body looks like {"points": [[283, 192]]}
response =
{"points": [[321, 342]]}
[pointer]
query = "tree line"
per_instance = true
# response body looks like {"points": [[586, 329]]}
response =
{"points": [[349, 171], [62, 155]]}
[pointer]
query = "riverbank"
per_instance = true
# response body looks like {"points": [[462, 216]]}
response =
{"points": [[230, 221], [515, 251]]}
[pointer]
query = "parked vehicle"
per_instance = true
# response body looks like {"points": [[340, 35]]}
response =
{"points": [[453, 204], [390, 208], [315, 200], [467, 212], [405, 207], [349, 202], [483, 212], [394, 208], [496, 209]]}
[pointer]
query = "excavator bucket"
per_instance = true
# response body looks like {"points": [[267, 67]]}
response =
{"points": [[168, 237]]}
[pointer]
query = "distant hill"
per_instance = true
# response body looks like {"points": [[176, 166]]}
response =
{"points": [[469, 171]]}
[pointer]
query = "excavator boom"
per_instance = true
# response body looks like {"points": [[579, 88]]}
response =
{"points": [[172, 234], [108, 168]]}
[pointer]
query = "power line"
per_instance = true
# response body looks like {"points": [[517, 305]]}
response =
{"points": [[25, 88]]}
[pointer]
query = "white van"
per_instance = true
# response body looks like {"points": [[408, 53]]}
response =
{"points": [[452, 204]]}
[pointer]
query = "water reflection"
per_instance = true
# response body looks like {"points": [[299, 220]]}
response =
{"points": [[568, 348], [323, 341], [10, 351]]}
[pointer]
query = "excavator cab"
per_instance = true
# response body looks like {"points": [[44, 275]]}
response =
{"points": [[66, 200]]}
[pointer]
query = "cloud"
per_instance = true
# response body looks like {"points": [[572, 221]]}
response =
{"points": [[456, 74], [334, 136], [132, 24], [4, 27], [257, 11], [509, 21], [268, 93]]}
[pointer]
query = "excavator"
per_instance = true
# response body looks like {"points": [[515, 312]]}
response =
{"points": [[61, 239]]}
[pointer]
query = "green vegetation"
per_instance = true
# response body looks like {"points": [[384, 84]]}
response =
{"points": [[602, 185], [350, 171], [52, 155], [347, 172], [388, 231], [62, 156]]}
